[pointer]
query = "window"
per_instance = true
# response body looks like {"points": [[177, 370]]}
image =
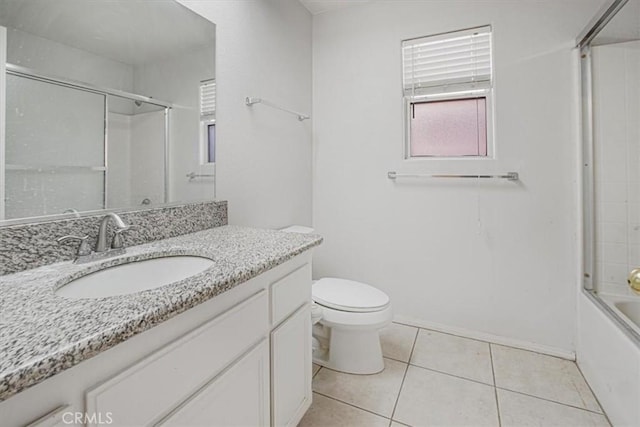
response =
{"points": [[447, 80], [208, 122]]}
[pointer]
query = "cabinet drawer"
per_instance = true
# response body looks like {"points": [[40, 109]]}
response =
{"points": [[290, 292], [151, 388]]}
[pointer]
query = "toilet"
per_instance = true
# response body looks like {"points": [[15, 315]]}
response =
{"points": [[347, 316]]}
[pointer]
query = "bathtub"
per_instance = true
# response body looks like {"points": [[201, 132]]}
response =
{"points": [[626, 307], [608, 353]]}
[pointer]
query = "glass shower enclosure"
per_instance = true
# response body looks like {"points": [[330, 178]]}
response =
{"points": [[73, 147], [610, 63]]}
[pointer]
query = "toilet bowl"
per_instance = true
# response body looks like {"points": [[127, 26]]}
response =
{"points": [[347, 316], [352, 315]]}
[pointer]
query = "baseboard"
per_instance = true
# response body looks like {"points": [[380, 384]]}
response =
{"points": [[482, 336]]}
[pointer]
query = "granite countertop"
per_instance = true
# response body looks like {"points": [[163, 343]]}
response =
{"points": [[42, 334]]}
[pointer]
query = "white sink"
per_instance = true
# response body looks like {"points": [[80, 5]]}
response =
{"points": [[134, 277]]}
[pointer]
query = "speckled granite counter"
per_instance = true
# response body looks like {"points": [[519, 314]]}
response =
{"points": [[42, 334]]}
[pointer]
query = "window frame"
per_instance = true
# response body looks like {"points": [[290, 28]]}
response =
{"points": [[450, 92], [207, 89], [486, 93], [204, 141]]}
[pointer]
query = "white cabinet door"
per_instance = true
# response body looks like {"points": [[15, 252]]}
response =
{"points": [[291, 368], [237, 397], [151, 388]]}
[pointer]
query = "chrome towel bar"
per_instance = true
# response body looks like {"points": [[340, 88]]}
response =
{"points": [[194, 175], [509, 176], [250, 101], [54, 168]]}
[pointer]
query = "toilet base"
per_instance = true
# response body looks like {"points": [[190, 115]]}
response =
{"points": [[352, 351]]}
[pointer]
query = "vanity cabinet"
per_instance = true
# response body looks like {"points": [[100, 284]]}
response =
{"points": [[242, 358]]}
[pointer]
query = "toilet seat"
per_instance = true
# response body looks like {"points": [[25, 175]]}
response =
{"points": [[372, 320], [349, 296]]}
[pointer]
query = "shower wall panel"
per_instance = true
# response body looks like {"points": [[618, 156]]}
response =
{"points": [[616, 100]]}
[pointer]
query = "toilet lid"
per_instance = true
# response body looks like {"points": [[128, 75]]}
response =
{"points": [[348, 295]]}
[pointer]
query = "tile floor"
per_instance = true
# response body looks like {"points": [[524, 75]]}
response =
{"points": [[436, 379]]}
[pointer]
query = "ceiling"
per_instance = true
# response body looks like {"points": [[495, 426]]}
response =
{"points": [[133, 32], [320, 6]]}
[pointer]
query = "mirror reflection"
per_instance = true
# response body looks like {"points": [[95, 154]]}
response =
{"points": [[109, 105]]}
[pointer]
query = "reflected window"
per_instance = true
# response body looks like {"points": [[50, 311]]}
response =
{"points": [[208, 121], [211, 143]]}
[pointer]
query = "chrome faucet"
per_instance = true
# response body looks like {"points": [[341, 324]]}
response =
{"points": [[103, 244], [103, 249]]}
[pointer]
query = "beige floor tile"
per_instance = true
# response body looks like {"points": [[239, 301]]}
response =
{"points": [[517, 410], [454, 355], [325, 412], [433, 399], [376, 393], [314, 369], [542, 376], [397, 341]]}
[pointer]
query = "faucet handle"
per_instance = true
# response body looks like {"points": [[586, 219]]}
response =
{"points": [[83, 249], [118, 241]]}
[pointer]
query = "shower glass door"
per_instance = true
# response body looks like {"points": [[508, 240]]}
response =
{"points": [[55, 148], [612, 61]]}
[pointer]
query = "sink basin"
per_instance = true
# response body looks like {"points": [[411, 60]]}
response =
{"points": [[134, 277]]}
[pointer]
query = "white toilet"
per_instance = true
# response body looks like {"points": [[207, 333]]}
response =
{"points": [[347, 316]]}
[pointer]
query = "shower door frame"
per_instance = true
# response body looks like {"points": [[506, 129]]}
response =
{"points": [[588, 270], [28, 73]]}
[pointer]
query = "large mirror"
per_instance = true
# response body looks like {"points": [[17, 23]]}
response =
{"points": [[109, 104]]}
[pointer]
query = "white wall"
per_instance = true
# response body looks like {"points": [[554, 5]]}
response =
{"points": [[56, 59], [263, 49], [616, 101], [494, 257]]}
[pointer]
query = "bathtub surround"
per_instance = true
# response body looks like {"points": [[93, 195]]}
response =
{"points": [[40, 345], [610, 362], [27, 246], [616, 152], [608, 348], [494, 257]]}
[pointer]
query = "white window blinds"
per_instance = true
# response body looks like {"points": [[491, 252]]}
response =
{"points": [[447, 62], [208, 99]]}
